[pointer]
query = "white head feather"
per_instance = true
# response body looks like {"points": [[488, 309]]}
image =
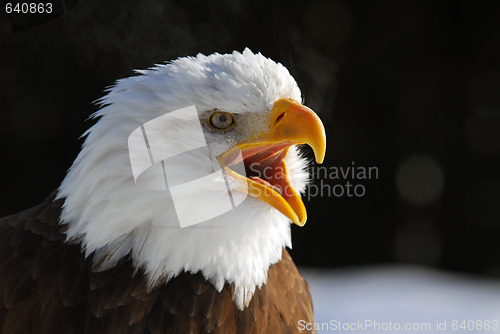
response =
{"points": [[112, 217]]}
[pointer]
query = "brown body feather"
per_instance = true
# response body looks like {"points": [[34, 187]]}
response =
{"points": [[48, 286]]}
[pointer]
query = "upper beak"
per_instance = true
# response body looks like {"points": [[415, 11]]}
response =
{"points": [[291, 123], [294, 122]]}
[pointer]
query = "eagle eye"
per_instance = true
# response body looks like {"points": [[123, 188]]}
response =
{"points": [[220, 120]]}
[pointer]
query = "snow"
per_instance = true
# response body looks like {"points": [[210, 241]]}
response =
{"points": [[388, 299]]}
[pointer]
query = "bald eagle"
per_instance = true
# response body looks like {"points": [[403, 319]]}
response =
{"points": [[103, 254]]}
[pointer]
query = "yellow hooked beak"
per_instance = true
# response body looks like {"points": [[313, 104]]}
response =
{"points": [[291, 123]]}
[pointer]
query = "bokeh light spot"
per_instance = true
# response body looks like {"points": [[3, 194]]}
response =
{"points": [[420, 180]]}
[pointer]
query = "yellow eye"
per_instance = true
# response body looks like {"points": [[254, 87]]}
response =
{"points": [[220, 120]]}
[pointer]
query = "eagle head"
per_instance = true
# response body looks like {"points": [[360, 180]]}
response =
{"points": [[222, 204]]}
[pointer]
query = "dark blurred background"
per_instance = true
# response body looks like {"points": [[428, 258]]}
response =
{"points": [[409, 87]]}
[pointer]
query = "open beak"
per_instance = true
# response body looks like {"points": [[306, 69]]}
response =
{"points": [[266, 178]]}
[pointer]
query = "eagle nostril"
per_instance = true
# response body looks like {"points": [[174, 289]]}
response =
{"points": [[280, 117]]}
